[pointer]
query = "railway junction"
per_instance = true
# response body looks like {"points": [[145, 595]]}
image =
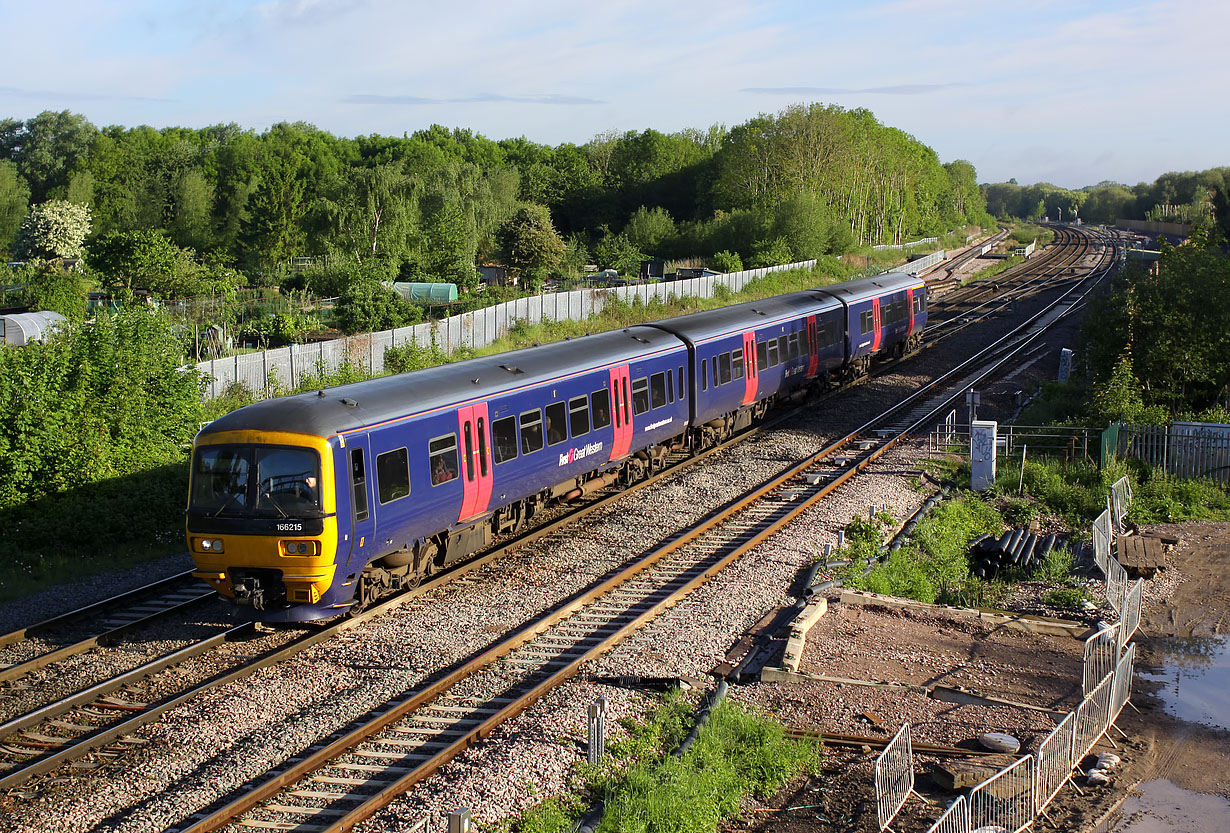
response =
{"points": [[472, 690]]}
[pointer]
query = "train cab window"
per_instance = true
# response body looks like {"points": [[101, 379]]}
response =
{"points": [[724, 366], [762, 355], [504, 439], [442, 459], [531, 431], [657, 390], [919, 301], [578, 415], [358, 484], [600, 407], [736, 363], [704, 374], [640, 396], [557, 427], [774, 355], [679, 383], [393, 473]]}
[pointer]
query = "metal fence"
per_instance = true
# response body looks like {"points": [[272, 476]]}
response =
{"points": [[1053, 764], [1101, 657], [894, 776], [285, 368], [955, 819], [1181, 449], [1006, 799], [1068, 442], [1103, 540]]}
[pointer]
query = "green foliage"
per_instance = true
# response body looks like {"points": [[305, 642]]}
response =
{"points": [[1159, 498], [47, 148], [49, 286], [370, 305], [14, 202], [615, 251], [1056, 567], [531, 244], [409, 357], [774, 252], [649, 228], [131, 260], [52, 229], [1071, 598], [725, 261]]}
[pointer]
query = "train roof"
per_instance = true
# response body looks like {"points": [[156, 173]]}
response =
{"points": [[863, 288], [363, 404], [697, 327]]}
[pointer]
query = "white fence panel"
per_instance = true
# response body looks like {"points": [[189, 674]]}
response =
{"points": [[1102, 541], [1093, 718], [955, 819], [1101, 656], [1116, 585], [1053, 761], [1129, 614], [1006, 799], [894, 776], [1123, 682]]}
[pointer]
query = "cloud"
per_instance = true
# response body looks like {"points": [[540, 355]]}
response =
{"points": [[18, 92], [899, 89], [482, 98]]}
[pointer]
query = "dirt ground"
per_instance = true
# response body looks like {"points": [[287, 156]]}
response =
{"points": [[926, 648]]}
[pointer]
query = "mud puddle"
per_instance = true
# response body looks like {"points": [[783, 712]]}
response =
{"points": [[1162, 807], [1193, 678]]}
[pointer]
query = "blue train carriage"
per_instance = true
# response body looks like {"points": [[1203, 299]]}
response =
{"points": [[885, 317], [745, 356], [302, 507]]}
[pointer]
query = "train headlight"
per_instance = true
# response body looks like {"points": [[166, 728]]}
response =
{"points": [[303, 547], [215, 545]]}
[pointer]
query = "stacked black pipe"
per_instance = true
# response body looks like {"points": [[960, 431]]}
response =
{"points": [[1015, 548]]}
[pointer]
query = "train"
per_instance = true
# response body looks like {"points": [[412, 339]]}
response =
{"points": [[318, 504]]}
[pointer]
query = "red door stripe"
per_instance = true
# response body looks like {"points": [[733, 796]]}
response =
{"points": [[475, 456], [813, 347], [621, 411], [750, 378], [875, 323], [909, 305]]}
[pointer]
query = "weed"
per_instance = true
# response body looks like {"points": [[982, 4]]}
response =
{"points": [[1071, 598]]}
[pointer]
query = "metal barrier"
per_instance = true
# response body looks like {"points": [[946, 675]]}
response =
{"points": [[1129, 614], [1102, 542], [1006, 799], [1120, 500], [1123, 682], [955, 818], [894, 776], [1116, 585], [1101, 656], [1092, 718], [1053, 761]]}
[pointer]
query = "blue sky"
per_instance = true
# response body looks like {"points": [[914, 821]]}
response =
{"points": [[1065, 92]]}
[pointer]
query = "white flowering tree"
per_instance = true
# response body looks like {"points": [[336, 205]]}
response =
{"points": [[56, 228]]}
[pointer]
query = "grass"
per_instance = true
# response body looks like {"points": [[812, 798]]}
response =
{"points": [[739, 752], [994, 269]]}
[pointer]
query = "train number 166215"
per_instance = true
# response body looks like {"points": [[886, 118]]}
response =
{"points": [[290, 527]]}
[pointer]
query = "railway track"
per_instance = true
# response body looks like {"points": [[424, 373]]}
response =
{"points": [[52, 736], [347, 777]]}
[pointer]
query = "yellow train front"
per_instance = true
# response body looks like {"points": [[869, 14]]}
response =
{"points": [[262, 522]]}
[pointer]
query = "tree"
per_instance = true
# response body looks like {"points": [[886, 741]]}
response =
{"points": [[531, 245], [53, 229], [649, 228], [14, 202], [727, 262], [131, 260], [47, 148], [368, 305], [48, 286], [617, 252]]}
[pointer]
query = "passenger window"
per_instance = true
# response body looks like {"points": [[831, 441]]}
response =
{"points": [[762, 355], [578, 415], [774, 360], [657, 390], [600, 406], [504, 439], [640, 396], [736, 360], [557, 430], [725, 368], [442, 458], [393, 474], [704, 374], [865, 322], [715, 371], [482, 446], [358, 480], [783, 349], [531, 431], [679, 381], [670, 386]]}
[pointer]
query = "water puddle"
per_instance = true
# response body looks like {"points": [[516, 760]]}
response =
{"points": [[1194, 678], [1161, 807]]}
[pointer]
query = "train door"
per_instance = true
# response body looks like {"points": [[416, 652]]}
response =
{"points": [[813, 347], [474, 433], [751, 374], [621, 410], [909, 306], [875, 324], [358, 480]]}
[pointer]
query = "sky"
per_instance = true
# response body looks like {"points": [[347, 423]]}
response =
{"points": [[1070, 93]]}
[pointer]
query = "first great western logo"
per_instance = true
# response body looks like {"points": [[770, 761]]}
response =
{"points": [[574, 454]]}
